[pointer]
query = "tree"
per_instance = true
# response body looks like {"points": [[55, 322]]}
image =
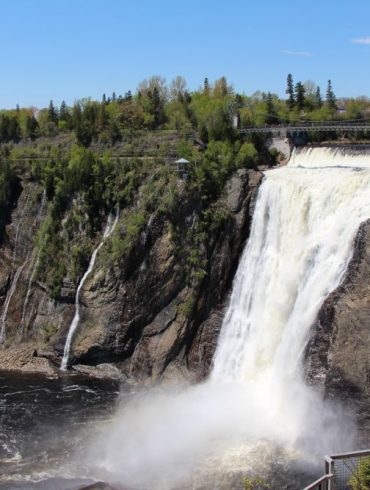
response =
{"points": [[52, 113], [31, 127], [206, 87], [220, 88], [247, 156], [300, 95], [331, 99], [271, 115], [318, 99], [290, 92], [178, 88]]}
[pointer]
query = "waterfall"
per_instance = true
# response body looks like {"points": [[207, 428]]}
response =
{"points": [[41, 209], [28, 293], [17, 229], [36, 263], [8, 299], [302, 236], [255, 409], [107, 232]]}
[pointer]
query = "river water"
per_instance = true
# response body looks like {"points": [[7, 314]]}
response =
{"points": [[45, 425]]}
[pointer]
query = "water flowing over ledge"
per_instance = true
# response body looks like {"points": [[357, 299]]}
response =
{"points": [[301, 242], [111, 224], [317, 157]]}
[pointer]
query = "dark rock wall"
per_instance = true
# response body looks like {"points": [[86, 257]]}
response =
{"points": [[338, 354], [136, 315]]}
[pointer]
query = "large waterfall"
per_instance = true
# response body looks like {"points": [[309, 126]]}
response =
{"points": [[304, 226], [301, 242]]}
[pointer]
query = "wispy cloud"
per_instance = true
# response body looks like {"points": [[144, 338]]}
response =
{"points": [[297, 53], [361, 40]]}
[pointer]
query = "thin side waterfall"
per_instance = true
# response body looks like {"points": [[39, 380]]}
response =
{"points": [[36, 263], [255, 404], [8, 300], [17, 230], [107, 232], [28, 294]]}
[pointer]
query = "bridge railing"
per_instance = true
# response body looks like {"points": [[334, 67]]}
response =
{"points": [[324, 126]]}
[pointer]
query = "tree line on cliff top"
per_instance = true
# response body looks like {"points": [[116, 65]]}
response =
{"points": [[209, 111]]}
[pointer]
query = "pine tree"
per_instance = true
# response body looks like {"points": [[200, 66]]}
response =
{"points": [[318, 99], [31, 127], [128, 95], [300, 95], [290, 92], [206, 87], [64, 114], [52, 113], [331, 100]]}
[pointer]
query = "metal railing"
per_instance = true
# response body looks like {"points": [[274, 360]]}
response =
{"points": [[347, 471], [320, 484], [307, 127]]}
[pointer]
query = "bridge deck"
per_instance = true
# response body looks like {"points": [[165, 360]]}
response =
{"points": [[305, 128]]}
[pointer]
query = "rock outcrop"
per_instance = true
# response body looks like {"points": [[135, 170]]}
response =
{"points": [[142, 316], [338, 356]]}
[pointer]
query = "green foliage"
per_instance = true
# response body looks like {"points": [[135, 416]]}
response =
{"points": [[247, 156], [255, 483], [360, 479], [186, 308], [331, 100], [8, 187]]}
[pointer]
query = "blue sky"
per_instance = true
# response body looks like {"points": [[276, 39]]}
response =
{"points": [[68, 49]]}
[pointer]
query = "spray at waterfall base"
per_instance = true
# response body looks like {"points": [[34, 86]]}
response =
{"points": [[301, 242]]}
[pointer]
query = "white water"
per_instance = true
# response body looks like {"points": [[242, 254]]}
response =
{"points": [[107, 232], [301, 241], [329, 157], [8, 299], [35, 265], [28, 294], [17, 230]]}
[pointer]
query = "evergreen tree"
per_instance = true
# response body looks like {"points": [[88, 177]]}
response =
{"points": [[206, 87], [331, 100], [104, 99], [52, 113], [128, 95], [239, 101], [114, 97], [290, 92], [300, 96], [31, 127], [64, 113], [157, 107], [14, 130], [318, 99]]}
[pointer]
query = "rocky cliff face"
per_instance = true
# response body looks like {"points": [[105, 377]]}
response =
{"points": [[143, 316], [338, 356]]}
